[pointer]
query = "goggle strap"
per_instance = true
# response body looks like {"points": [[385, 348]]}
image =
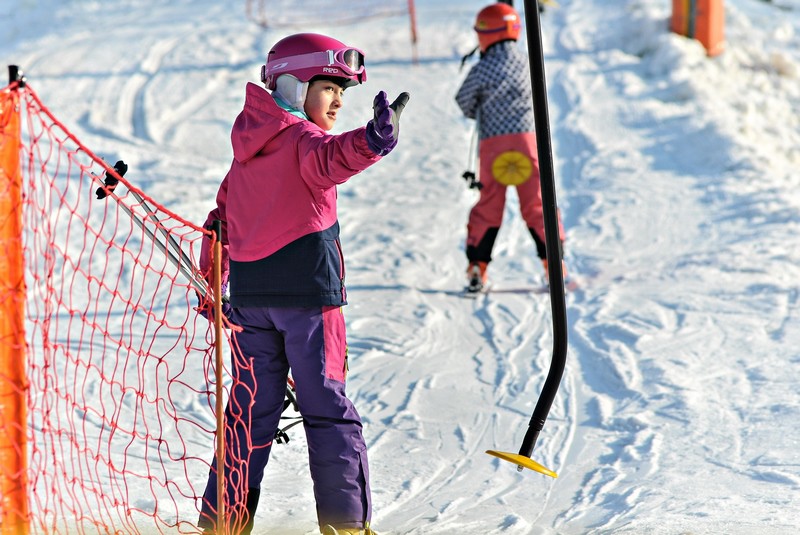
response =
{"points": [[318, 59]]}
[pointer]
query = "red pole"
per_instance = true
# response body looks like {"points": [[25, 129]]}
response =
{"points": [[218, 333], [14, 514], [412, 14]]}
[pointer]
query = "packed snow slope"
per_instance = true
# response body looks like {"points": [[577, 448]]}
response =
{"points": [[679, 411]]}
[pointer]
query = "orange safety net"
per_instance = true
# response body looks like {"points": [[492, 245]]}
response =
{"points": [[120, 375]]}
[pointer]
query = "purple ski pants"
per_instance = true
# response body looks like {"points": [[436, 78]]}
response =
{"points": [[311, 342]]}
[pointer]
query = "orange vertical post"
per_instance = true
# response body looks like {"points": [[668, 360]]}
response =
{"points": [[703, 20], [679, 23], [14, 513], [218, 333], [710, 30], [412, 15]]}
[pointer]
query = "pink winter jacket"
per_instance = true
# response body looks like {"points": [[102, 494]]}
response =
{"points": [[281, 185]]}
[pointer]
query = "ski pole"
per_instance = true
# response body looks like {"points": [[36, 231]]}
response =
{"points": [[472, 160], [468, 55], [472, 156], [183, 263], [552, 239]]}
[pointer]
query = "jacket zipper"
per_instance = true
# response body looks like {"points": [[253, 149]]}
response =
{"points": [[341, 270]]}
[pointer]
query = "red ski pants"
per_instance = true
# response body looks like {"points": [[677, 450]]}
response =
{"points": [[508, 160]]}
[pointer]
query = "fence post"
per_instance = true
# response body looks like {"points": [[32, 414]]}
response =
{"points": [[14, 513], [703, 20], [218, 334], [412, 15]]}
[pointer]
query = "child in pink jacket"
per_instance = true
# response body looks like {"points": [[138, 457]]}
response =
{"points": [[284, 266]]}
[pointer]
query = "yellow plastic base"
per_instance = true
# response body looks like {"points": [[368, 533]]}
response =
{"points": [[522, 462]]}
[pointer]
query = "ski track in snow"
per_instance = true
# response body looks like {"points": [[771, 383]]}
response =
{"points": [[677, 181]]}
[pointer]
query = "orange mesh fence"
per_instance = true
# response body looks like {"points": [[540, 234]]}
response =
{"points": [[120, 371]]}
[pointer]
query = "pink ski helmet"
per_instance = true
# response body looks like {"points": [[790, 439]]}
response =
{"points": [[306, 55]]}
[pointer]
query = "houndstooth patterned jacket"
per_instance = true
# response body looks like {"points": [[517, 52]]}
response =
{"points": [[497, 90]]}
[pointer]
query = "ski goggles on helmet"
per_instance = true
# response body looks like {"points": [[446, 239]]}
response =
{"points": [[345, 62], [510, 22]]}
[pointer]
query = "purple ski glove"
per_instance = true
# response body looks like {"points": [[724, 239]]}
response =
{"points": [[384, 129]]}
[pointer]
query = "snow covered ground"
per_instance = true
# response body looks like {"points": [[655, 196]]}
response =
{"points": [[677, 178]]}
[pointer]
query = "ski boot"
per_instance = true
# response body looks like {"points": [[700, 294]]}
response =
{"points": [[547, 271], [207, 521], [477, 277]]}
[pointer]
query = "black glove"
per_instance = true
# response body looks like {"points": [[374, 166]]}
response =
{"points": [[111, 183], [384, 128]]}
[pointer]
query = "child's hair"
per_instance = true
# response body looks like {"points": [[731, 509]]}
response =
{"points": [[338, 80]]}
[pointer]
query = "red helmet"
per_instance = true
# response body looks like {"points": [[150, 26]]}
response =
{"points": [[495, 23], [305, 55]]}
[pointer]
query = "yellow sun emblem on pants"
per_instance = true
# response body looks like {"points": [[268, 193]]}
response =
{"points": [[512, 168]]}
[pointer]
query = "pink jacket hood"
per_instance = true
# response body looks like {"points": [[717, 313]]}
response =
{"points": [[260, 122]]}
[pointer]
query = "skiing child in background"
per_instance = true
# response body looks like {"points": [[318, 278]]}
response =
{"points": [[282, 251], [497, 94]]}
